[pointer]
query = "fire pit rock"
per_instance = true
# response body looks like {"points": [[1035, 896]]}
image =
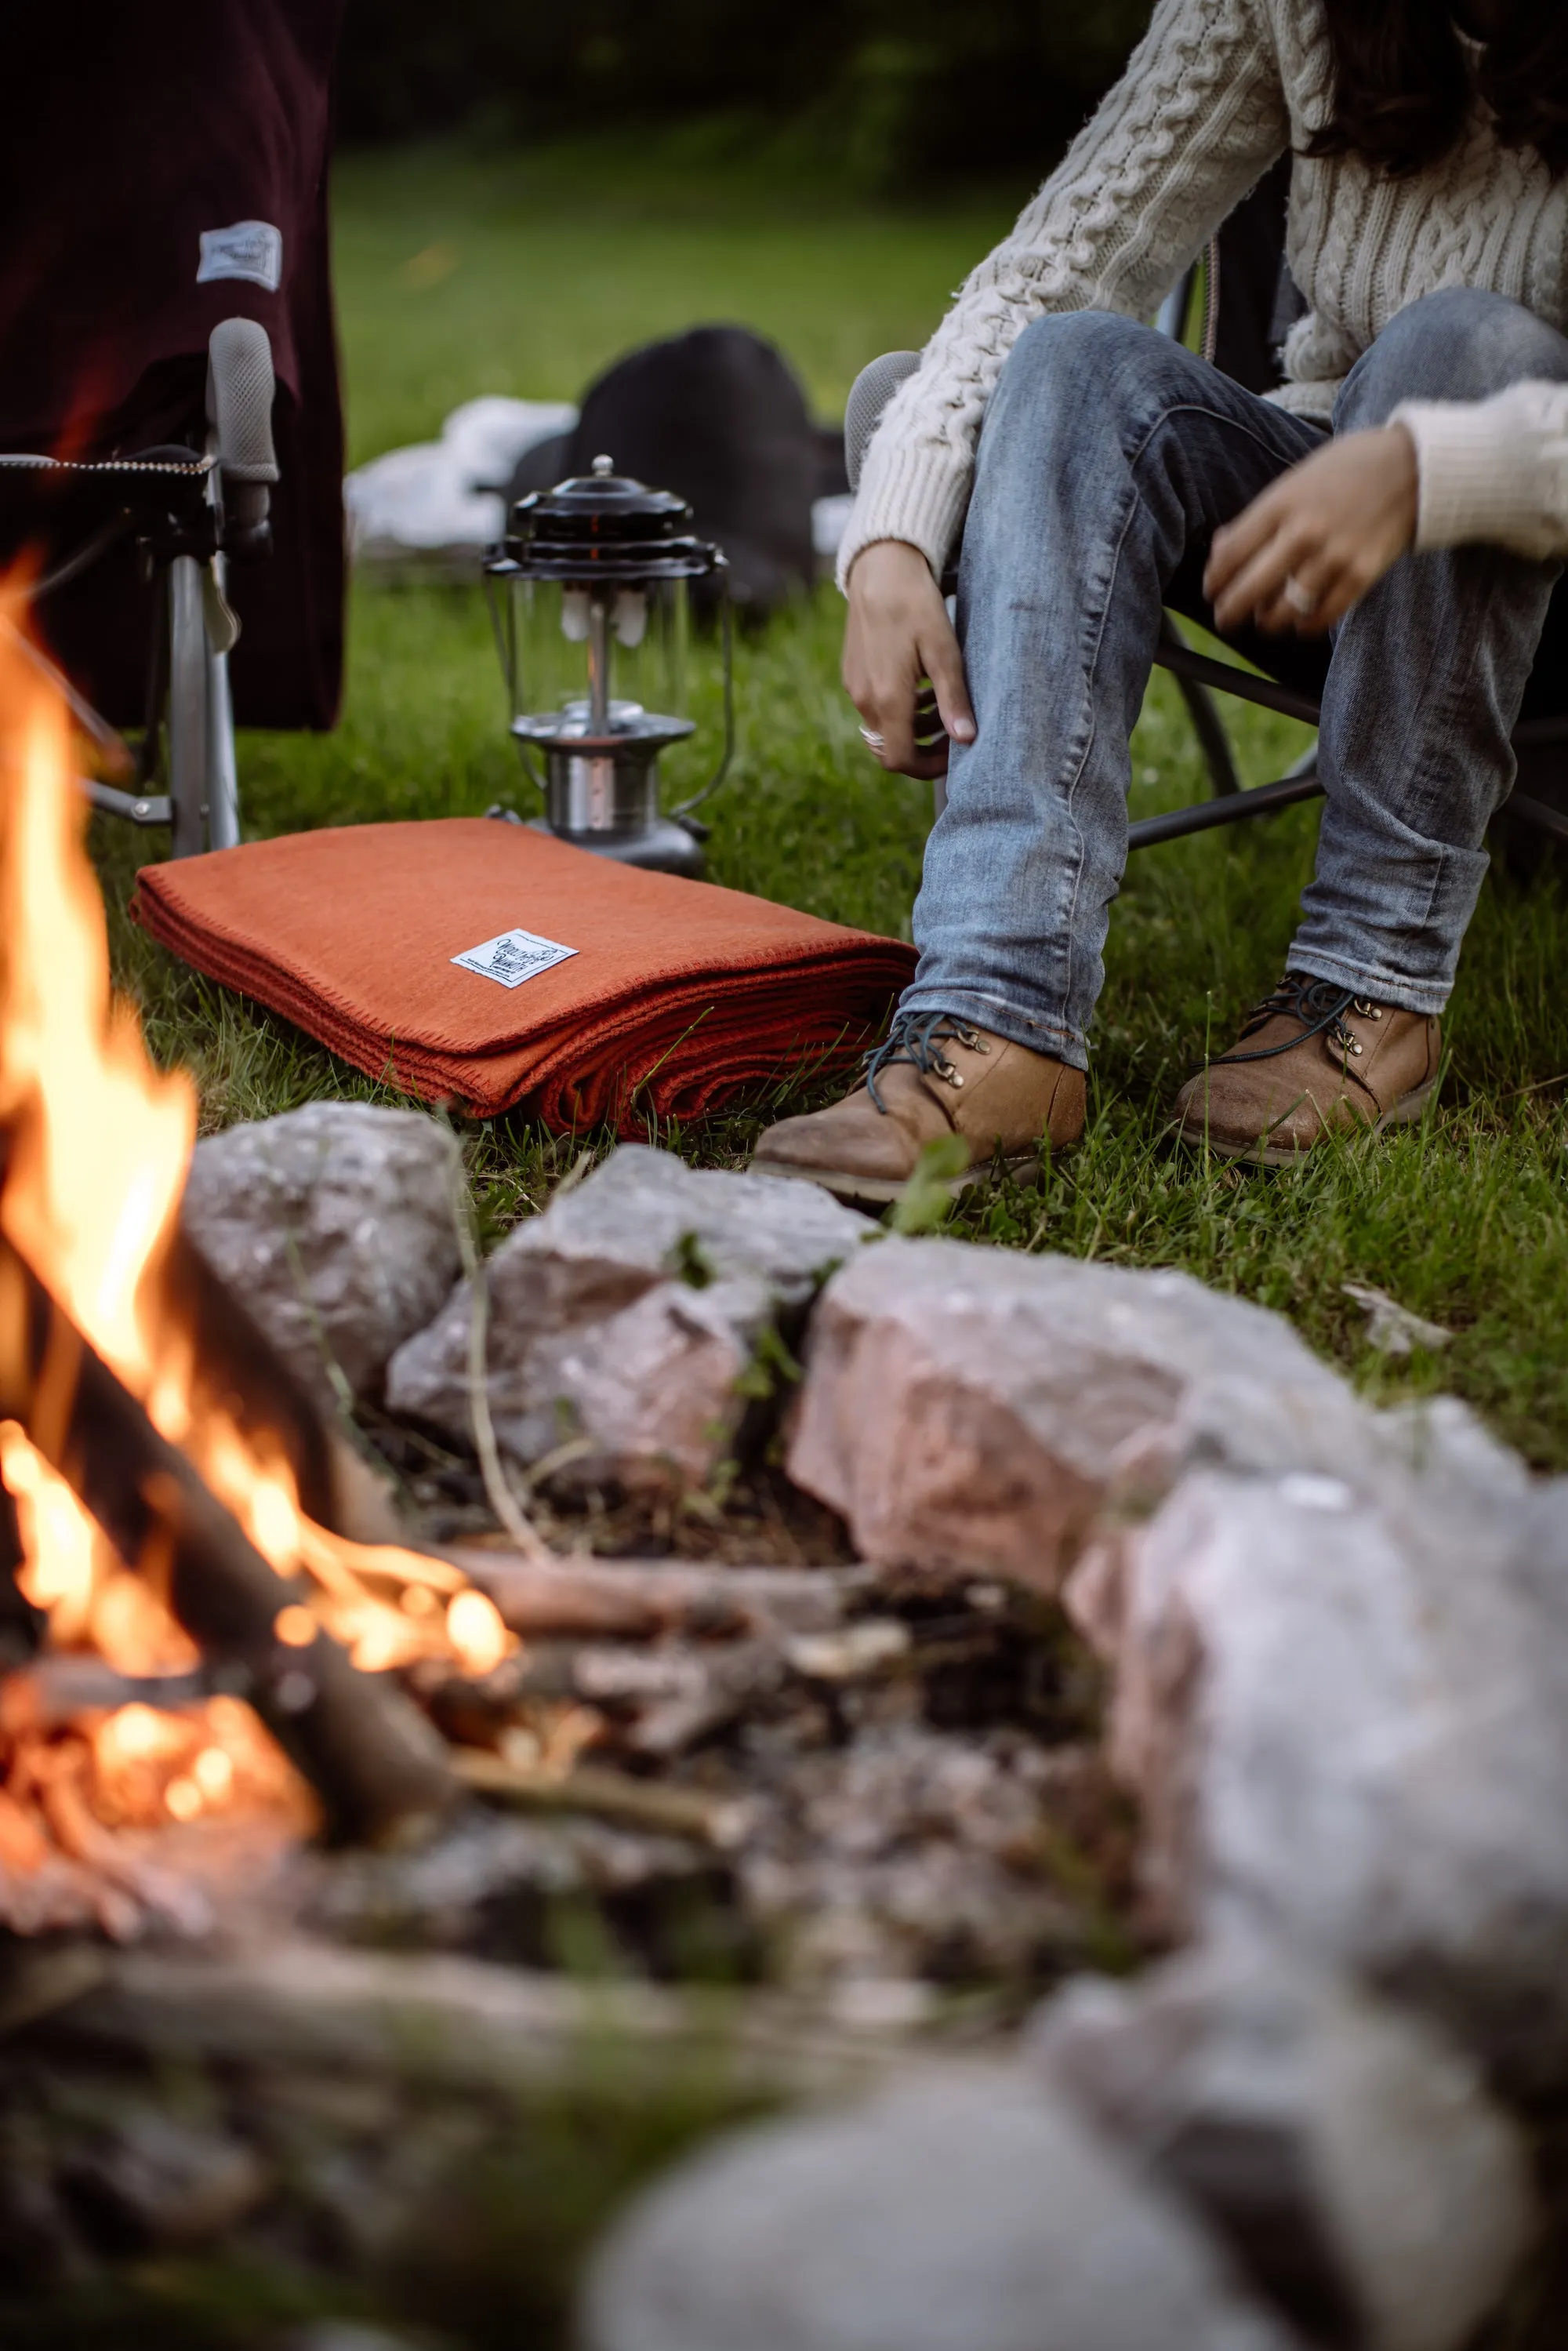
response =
{"points": [[1345, 2150], [626, 1317], [968, 1407], [334, 1224], [1346, 1721], [1233, 2153], [972, 2208]]}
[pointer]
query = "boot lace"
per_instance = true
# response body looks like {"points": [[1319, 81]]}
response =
{"points": [[1318, 1004], [918, 1038]]}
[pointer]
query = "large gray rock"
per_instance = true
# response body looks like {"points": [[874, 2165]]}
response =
{"points": [[626, 1314], [657, 1391], [1346, 2152], [969, 1406], [334, 1225], [967, 2211], [1346, 1719]]}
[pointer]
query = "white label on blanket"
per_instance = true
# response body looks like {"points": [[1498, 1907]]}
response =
{"points": [[250, 249], [515, 957]]}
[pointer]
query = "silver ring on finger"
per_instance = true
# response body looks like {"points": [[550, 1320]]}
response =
{"points": [[1300, 599], [872, 740]]}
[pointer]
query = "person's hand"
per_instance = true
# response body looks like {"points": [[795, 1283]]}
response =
{"points": [[1319, 538], [898, 636]]}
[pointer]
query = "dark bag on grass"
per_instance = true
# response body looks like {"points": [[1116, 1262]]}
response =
{"points": [[718, 417]]}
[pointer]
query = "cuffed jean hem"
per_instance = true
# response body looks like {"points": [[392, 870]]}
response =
{"points": [[1423, 996], [1002, 1018]]}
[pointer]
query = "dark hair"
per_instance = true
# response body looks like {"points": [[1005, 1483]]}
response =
{"points": [[1403, 82]]}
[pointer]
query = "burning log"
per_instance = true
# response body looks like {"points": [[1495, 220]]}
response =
{"points": [[143, 1415], [50, 1693], [240, 1371], [377, 1767]]}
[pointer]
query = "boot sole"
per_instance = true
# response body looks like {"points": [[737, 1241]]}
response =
{"points": [[882, 1191], [1404, 1112]]}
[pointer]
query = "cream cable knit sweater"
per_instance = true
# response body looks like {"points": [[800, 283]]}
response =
{"points": [[1493, 469], [1213, 92]]}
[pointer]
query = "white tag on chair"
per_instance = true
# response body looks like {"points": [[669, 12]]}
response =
{"points": [[249, 249], [513, 957]]}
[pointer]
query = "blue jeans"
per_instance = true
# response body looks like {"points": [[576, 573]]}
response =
{"points": [[1109, 457]]}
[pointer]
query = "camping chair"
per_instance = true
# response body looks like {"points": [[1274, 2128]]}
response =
{"points": [[1248, 304], [188, 513], [153, 300]]}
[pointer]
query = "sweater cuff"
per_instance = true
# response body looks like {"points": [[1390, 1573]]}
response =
{"points": [[1478, 479], [916, 494]]}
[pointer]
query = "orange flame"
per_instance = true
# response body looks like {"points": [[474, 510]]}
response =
{"points": [[98, 1146]]}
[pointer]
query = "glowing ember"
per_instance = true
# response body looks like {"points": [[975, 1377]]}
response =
{"points": [[214, 1773], [474, 1629], [98, 1143], [148, 1764]]}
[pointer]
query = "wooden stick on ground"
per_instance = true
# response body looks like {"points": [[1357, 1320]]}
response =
{"points": [[639, 1598], [378, 1768], [652, 1805], [498, 1493]]}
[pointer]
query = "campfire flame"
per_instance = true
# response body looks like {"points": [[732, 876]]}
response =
{"points": [[98, 1141]]}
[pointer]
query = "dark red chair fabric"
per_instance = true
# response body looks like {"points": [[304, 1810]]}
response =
{"points": [[127, 132]]}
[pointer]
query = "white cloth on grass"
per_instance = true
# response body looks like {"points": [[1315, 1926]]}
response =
{"points": [[444, 498]]}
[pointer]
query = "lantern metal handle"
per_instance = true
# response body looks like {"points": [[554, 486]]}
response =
{"points": [[719, 773]]}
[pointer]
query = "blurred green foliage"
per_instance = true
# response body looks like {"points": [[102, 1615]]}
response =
{"points": [[892, 93]]}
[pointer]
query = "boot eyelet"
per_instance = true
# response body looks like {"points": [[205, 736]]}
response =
{"points": [[1356, 1047]]}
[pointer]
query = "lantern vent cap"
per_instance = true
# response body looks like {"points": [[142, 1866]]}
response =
{"points": [[606, 526]]}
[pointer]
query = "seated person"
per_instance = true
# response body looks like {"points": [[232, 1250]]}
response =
{"points": [[1089, 463]]}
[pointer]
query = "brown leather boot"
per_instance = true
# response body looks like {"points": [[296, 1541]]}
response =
{"points": [[934, 1076], [1312, 1059]]}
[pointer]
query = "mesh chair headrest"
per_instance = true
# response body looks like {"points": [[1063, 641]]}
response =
{"points": [[869, 395], [239, 400]]}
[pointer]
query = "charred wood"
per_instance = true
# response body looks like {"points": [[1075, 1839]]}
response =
{"points": [[374, 1764], [240, 1371]]}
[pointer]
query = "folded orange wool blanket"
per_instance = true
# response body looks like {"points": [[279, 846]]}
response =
{"points": [[469, 960]]}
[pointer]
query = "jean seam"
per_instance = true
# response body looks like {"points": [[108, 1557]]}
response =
{"points": [[1441, 715], [1091, 664], [1131, 457], [1214, 416]]}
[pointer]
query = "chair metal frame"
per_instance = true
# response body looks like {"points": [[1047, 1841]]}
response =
{"points": [[188, 512], [1200, 677]]}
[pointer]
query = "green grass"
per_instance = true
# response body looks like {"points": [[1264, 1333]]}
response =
{"points": [[527, 272], [560, 263]]}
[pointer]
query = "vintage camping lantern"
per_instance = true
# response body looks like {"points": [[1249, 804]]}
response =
{"points": [[591, 599]]}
